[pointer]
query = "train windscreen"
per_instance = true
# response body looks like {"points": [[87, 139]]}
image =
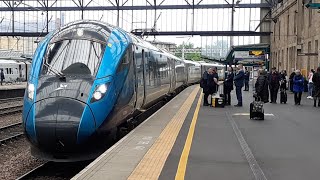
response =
{"points": [[75, 51]]}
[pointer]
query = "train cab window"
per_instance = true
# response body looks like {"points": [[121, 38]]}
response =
{"points": [[76, 50]]}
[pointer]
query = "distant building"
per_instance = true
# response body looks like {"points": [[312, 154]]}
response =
{"points": [[295, 36], [171, 47]]}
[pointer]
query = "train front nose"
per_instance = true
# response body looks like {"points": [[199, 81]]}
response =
{"points": [[57, 121]]}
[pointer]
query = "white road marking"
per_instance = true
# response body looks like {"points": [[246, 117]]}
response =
{"points": [[247, 114], [255, 168]]}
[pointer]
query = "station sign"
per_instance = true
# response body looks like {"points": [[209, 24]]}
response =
{"points": [[256, 53], [250, 57]]}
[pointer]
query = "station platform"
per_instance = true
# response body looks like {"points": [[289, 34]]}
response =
{"points": [[12, 90], [21, 85], [185, 140]]}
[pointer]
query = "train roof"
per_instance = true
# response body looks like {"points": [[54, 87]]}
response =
{"points": [[212, 64], [12, 62], [192, 62]]}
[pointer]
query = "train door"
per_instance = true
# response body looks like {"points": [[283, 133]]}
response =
{"points": [[20, 71], [172, 74], [138, 59]]}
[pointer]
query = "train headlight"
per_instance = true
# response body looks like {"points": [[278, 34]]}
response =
{"points": [[31, 91], [99, 92]]}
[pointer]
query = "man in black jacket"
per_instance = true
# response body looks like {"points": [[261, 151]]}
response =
{"points": [[274, 84], [316, 83], [228, 85], [238, 81], [261, 86]]}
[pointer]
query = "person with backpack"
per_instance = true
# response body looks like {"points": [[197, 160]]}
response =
{"points": [[274, 84], [316, 83], [298, 87], [228, 85], [204, 86], [261, 86]]}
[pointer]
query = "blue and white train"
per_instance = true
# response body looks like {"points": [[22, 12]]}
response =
{"points": [[89, 78]]}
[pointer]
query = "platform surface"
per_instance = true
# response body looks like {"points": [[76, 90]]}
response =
{"points": [[21, 85], [185, 140]]}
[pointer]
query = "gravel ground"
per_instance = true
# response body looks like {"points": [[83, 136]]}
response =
{"points": [[11, 103], [10, 119], [16, 159]]}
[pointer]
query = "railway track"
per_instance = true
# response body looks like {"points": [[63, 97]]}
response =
{"points": [[3, 101], [10, 132], [54, 170], [10, 110]]}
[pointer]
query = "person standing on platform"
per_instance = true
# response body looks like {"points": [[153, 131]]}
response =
{"points": [[1, 76], [213, 81], [204, 86], [298, 87], [291, 80], [238, 81], [261, 86], [310, 84], [283, 80], [228, 86], [246, 80], [316, 83], [274, 83]]}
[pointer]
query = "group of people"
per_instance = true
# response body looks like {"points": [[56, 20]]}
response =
{"points": [[277, 80], [267, 83], [209, 83]]}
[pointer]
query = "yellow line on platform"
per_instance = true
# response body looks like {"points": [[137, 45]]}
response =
{"points": [[187, 146], [153, 161]]}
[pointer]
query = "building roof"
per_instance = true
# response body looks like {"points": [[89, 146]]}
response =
{"points": [[14, 55]]}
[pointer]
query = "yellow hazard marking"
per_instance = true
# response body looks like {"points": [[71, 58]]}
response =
{"points": [[187, 146], [152, 163]]}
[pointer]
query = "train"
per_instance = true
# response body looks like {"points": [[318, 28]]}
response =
{"points": [[89, 78], [15, 70]]}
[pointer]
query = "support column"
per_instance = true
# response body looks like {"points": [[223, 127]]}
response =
{"points": [[265, 24], [232, 23]]}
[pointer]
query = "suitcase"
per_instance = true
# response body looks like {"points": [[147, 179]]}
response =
{"points": [[256, 109], [218, 99], [283, 97]]}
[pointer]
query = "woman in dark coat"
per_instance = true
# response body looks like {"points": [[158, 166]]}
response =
{"points": [[228, 86], [316, 83], [261, 86], [298, 87]]}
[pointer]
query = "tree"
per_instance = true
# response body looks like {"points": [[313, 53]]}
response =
{"points": [[190, 56]]}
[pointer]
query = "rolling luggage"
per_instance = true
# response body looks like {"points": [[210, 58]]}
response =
{"points": [[256, 109], [283, 97]]}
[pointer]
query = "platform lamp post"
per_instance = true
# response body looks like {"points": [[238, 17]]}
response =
{"points": [[234, 5]]}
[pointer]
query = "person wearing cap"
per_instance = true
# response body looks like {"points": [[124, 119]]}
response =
{"points": [[298, 87], [274, 84]]}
